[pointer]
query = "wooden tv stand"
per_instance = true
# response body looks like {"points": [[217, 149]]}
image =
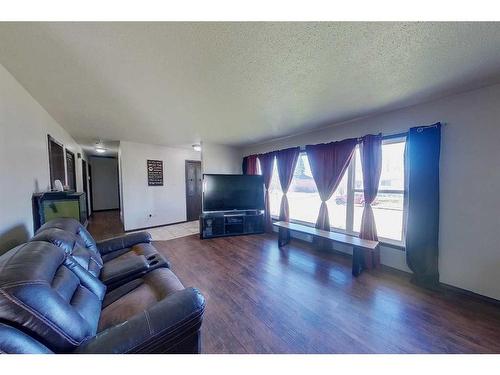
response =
{"points": [[231, 223]]}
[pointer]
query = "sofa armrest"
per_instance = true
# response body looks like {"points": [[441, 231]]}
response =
{"points": [[123, 269], [122, 242], [13, 341], [165, 327]]}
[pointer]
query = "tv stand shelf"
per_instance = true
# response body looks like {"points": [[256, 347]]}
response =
{"points": [[231, 223]]}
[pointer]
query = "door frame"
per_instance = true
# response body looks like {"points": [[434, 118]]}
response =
{"points": [[186, 162], [53, 140], [118, 182]]}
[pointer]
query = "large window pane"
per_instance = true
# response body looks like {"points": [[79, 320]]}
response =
{"points": [[387, 207], [303, 197], [337, 205], [392, 176], [388, 212], [358, 171], [275, 192]]}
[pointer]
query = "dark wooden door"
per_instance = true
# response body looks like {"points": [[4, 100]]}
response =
{"points": [[85, 181], [56, 161], [193, 189], [71, 170]]}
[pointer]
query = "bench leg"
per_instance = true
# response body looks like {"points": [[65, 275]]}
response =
{"points": [[283, 237], [357, 261]]}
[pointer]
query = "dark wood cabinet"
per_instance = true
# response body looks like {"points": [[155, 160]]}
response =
{"points": [[52, 205]]}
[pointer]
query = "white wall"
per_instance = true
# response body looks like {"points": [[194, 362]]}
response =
{"points": [[105, 194], [469, 177], [166, 204], [24, 161], [220, 159]]}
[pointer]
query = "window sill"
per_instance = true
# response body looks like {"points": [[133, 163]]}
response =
{"points": [[383, 241]]}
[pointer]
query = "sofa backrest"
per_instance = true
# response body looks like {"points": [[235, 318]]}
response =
{"points": [[48, 295], [73, 245], [72, 226]]}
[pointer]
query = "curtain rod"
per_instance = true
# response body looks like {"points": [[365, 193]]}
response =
{"points": [[387, 136], [405, 134], [396, 135]]}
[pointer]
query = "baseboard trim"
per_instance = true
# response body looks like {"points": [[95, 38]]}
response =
{"points": [[107, 209], [155, 226], [455, 289]]}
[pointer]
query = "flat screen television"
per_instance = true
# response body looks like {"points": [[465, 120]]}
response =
{"points": [[227, 192]]}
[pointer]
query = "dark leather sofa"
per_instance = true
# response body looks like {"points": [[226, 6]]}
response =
{"points": [[114, 261], [52, 301]]}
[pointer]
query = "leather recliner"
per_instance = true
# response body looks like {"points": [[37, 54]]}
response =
{"points": [[114, 261], [49, 303]]}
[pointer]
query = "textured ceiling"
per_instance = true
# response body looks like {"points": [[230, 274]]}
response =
{"points": [[239, 83]]}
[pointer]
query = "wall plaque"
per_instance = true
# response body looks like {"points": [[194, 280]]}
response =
{"points": [[155, 173]]}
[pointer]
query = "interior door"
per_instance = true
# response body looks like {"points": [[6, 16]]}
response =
{"points": [[85, 181], [71, 170], [193, 189]]}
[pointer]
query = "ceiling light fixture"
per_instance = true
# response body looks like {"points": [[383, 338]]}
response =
{"points": [[197, 147], [99, 148]]}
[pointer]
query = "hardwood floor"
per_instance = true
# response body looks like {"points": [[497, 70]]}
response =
{"points": [[261, 299], [105, 224]]}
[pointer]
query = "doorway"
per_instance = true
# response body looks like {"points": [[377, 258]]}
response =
{"points": [[105, 184], [193, 189]]}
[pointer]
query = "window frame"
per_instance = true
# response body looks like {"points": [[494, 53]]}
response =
{"points": [[351, 190]]}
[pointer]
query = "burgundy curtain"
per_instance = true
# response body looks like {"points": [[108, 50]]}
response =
{"points": [[371, 163], [287, 160], [328, 164], [249, 165], [266, 167]]}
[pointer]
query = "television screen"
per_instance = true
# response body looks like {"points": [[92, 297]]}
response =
{"points": [[226, 192]]}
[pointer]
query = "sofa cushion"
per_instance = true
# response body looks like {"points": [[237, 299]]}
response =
{"points": [[117, 266], [145, 249], [73, 245], [72, 226], [50, 295], [143, 293]]}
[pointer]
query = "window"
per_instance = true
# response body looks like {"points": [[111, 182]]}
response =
{"points": [[303, 197], [345, 207], [388, 206]]}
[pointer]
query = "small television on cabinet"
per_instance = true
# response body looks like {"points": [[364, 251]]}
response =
{"points": [[227, 192]]}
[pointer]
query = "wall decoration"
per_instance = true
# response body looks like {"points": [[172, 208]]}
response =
{"points": [[155, 173]]}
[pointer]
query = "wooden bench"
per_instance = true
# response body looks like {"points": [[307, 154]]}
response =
{"points": [[359, 245]]}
